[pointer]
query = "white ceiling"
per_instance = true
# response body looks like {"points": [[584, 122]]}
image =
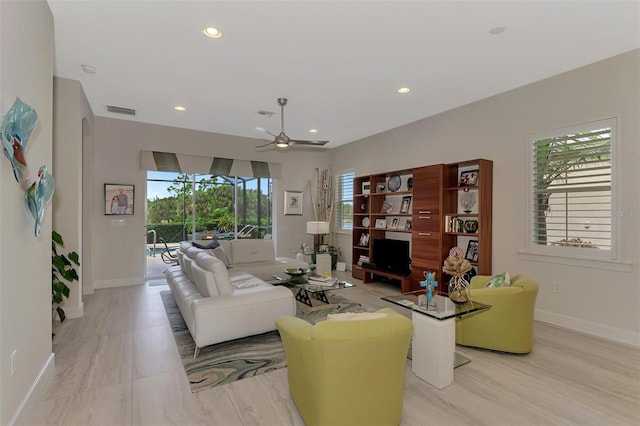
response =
{"points": [[339, 62]]}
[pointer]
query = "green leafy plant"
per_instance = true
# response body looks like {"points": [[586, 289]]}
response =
{"points": [[62, 271]]}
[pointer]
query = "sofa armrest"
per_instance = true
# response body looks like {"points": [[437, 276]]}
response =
{"points": [[295, 328]]}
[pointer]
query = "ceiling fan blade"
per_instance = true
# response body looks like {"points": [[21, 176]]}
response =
{"points": [[306, 142], [266, 144]]}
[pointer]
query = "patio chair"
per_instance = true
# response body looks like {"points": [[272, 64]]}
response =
{"points": [[168, 257]]}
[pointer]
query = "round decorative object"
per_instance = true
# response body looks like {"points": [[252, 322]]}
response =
{"points": [[363, 206], [410, 183], [296, 275], [470, 226], [365, 222], [459, 290], [456, 251], [394, 182]]}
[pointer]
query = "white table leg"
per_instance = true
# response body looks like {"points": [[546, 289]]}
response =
{"points": [[433, 349]]}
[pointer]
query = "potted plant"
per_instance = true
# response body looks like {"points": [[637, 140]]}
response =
{"points": [[62, 271]]}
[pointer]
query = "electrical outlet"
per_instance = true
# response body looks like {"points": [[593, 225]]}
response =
{"points": [[556, 287], [13, 361]]}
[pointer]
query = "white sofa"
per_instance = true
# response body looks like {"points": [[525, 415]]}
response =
{"points": [[220, 304], [257, 257]]}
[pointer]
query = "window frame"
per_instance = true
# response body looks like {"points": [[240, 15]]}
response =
{"points": [[339, 200], [576, 253]]}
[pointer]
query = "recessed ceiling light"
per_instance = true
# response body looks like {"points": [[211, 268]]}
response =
{"points": [[497, 30], [212, 32], [179, 108], [313, 130], [88, 69], [404, 90]]}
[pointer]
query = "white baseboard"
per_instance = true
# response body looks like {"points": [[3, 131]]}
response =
{"points": [[74, 312], [588, 327], [123, 282], [33, 394]]}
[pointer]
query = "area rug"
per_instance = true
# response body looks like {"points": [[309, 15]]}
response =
{"points": [[247, 357], [153, 283]]}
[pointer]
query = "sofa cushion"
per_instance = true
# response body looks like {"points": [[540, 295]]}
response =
{"points": [[187, 267], [193, 252], [222, 255], [204, 278], [210, 245], [499, 280], [246, 251], [185, 245], [220, 274]]}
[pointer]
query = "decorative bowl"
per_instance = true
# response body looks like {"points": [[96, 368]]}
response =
{"points": [[296, 275]]}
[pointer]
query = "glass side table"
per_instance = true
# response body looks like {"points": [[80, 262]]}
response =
{"points": [[434, 335]]}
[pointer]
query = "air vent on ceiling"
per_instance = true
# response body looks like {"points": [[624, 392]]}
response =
{"points": [[265, 113], [121, 110]]}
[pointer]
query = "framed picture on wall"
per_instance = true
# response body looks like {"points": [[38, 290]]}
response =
{"points": [[118, 199], [293, 202]]}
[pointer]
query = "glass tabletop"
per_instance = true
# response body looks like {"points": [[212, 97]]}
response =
{"points": [[314, 288], [441, 307]]}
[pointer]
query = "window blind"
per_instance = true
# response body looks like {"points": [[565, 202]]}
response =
{"points": [[572, 189], [344, 201]]}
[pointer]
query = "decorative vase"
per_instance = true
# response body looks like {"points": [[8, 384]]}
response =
{"points": [[459, 290]]}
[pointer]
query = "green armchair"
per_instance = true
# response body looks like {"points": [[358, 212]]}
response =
{"points": [[508, 325], [347, 372]]}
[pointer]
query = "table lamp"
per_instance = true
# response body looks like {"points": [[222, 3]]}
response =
{"points": [[317, 229]]}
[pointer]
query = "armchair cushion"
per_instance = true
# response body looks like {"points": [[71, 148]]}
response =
{"points": [[499, 280]]}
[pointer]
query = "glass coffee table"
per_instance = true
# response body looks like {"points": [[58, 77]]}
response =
{"points": [[434, 335], [317, 291]]}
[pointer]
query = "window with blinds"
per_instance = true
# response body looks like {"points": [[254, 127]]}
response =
{"points": [[572, 188], [344, 202]]}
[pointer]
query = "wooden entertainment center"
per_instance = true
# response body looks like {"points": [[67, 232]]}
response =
{"points": [[433, 207]]}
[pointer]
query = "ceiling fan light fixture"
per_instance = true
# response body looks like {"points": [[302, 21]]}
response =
{"points": [[212, 32], [282, 144]]}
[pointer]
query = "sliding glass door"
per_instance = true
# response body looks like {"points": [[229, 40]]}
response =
{"points": [[220, 207]]}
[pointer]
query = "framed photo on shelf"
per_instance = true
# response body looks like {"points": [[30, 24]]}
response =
{"points": [[468, 178], [408, 225], [394, 223], [381, 187], [381, 224], [366, 188], [387, 206], [406, 202], [364, 240], [472, 251], [292, 202], [118, 199]]}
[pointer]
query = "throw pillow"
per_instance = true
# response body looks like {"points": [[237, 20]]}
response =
{"points": [[210, 245], [356, 316], [220, 254], [500, 280]]}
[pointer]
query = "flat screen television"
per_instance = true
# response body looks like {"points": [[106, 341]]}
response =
{"points": [[391, 255]]}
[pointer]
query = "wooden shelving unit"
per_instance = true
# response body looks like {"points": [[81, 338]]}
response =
{"points": [[434, 205], [475, 221]]}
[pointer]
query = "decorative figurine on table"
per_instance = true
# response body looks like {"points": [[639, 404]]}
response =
{"points": [[429, 284]]}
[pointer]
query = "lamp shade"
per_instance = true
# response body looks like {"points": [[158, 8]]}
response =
{"points": [[317, 228]]}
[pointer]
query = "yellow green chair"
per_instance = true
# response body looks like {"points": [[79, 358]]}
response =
{"points": [[347, 372], [508, 325]]}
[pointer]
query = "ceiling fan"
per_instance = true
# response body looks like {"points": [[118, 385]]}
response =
{"points": [[282, 141]]}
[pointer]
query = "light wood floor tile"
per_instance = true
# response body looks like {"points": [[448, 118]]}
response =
{"points": [[118, 365]]}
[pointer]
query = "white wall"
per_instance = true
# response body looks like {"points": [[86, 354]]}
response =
{"points": [[70, 109], [26, 71], [118, 252], [597, 301]]}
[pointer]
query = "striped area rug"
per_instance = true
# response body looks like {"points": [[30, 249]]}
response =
{"points": [[247, 357]]}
